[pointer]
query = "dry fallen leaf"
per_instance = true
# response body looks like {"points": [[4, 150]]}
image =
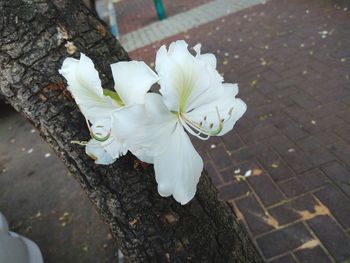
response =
{"points": [[70, 47], [274, 165], [253, 83], [309, 244], [65, 219], [134, 221], [38, 214], [28, 229], [85, 248], [257, 172], [171, 217], [240, 177]]}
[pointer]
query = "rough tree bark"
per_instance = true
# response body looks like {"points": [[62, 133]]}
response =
{"points": [[36, 35]]}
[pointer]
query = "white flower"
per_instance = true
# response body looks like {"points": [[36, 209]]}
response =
{"points": [[195, 100], [98, 104]]}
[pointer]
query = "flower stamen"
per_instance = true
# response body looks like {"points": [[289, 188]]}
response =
{"points": [[194, 126], [82, 143], [95, 135]]}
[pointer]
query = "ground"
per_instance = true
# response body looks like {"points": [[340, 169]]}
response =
{"points": [[43, 202], [286, 166]]}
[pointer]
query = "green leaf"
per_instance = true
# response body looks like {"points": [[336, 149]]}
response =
{"points": [[114, 96]]}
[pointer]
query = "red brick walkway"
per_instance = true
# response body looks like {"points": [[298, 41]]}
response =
{"points": [[135, 14], [292, 62]]}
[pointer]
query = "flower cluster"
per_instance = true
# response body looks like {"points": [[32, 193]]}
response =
{"points": [[154, 126]]}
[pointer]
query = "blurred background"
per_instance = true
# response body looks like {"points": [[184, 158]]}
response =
{"points": [[286, 166]]}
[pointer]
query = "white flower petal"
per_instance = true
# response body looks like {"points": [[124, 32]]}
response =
{"points": [[96, 152], [102, 127], [145, 158], [132, 80], [186, 81], [209, 115], [179, 168], [85, 86], [145, 128], [208, 58], [164, 68], [103, 130], [114, 147]]}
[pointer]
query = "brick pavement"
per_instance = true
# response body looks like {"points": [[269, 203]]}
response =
{"points": [[181, 22], [135, 14], [292, 62]]}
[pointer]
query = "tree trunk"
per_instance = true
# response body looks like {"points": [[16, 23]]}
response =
{"points": [[36, 36]]}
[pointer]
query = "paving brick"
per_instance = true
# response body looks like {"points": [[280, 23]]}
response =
{"points": [[304, 100], [254, 215], [281, 144], [332, 237], [244, 126], [293, 210], [275, 166], [338, 94], [346, 100], [272, 76], [339, 174], [342, 151], [276, 116], [265, 189], [294, 131], [309, 143], [343, 132], [248, 152], [298, 160], [345, 115], [286, 92], [220, 157], [284, 259], [204, 155], [232, 141], [303, 183], [329, 123], [265, 87], [338, 204], [213, 174], [327, 109], [233, 190], [321, 156], [336, 172], [298, 113], [317, 141], [284, 240], [311, 255], [259, 133], [207, 145]]}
